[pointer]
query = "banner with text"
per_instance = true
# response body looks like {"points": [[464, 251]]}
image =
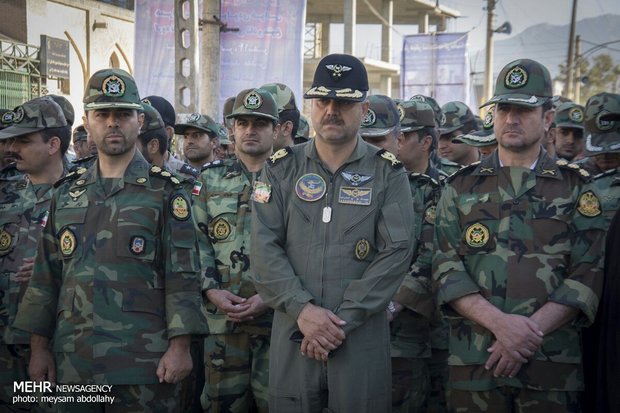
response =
{"points": [[435, 65]]}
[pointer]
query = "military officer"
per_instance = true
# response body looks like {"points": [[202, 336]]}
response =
{"points": [[200, 138], [237, 347], [458, 119], [518, 263], [381, 125], [331, 241], [569, 131], [115, 293]]}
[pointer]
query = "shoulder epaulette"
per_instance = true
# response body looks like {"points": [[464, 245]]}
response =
{"points": [[165, 174], [217, 162], [189, 170], [389, 156], [71, 176], [279, 154], [83, 160], [608, 172], [583, 174], [463, 169], [424, 178]]}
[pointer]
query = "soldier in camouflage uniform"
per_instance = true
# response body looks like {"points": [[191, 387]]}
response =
{"points": [[380, 125], [115, 293], [412, 306], [200, 138], [518, 263], [237, 347], [38, 138], [569, 130], [303, 132], [332, 238], [172, 161], [457, 120], [288, 114]]}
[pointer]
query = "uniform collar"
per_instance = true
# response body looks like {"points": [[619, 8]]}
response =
{"points": [[137, 172], [546, 166], [361, 148]]}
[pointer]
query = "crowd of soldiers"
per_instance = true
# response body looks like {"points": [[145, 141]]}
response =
{"points": [[407, 257]]}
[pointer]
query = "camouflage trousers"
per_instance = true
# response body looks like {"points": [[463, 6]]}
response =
{"points": [[236, 373], [192, 385], [13, 367], [128, 398], [514, 400], [410, 385], [438, 371]]}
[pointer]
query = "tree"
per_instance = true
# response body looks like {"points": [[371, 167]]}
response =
{"points": [[599, 75]]}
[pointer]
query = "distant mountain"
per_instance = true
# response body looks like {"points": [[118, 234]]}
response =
{"points": [[548, 44]]}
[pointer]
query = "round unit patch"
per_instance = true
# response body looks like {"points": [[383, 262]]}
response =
{"points": [[477, 235], [401, 112], [179, 207], [488, 120], [113, 86], [362, 248], [443, 119], [576, 115], [8, 117], [19, 115], [5, 240], [430, 214], [310, 187], [67, 242], [516, 78], [369, 118], [589, 205], [601, 124], [221, 229], [194, 117], [252, 101]]}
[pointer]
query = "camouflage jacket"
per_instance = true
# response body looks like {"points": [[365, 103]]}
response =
{"points": [[116, 275], [607, 188], [222, 210], [410, 329], [520, 238]]}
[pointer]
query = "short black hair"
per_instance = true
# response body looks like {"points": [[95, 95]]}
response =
{"points": [[159, 134], [62, 132], [290, 115]]}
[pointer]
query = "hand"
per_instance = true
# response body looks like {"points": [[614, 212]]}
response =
{"points": [[226, 301], [321, 328], [24, 272], [314, 350], [506, 365], [176, 363], [41, 366], [255, 308], [520, 336]]}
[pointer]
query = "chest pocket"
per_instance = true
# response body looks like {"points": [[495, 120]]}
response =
{"points": [[550, 227], [479, 227], [136, 233], [223, 209], [69, 227]]}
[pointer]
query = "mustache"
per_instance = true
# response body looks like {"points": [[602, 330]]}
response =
{"points": [[332, 120], [114, 132]]}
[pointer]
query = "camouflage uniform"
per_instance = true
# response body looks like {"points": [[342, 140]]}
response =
{"points": [[519, 237], [116, 272], [236, 354]]}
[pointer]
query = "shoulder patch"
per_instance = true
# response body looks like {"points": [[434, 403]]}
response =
{"points": [[606, 173], [190, 170], [217, 162], [389, 156], [575, 168], [279, 154], [463, 170], [71, 176], [165, 175], [423, 178]]}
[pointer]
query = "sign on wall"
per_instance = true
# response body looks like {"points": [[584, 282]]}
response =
{"points": [[54, 56]]}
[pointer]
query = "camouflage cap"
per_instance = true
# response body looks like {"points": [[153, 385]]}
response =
{"points": [[198, 121], [456, 115], [434, 105], [557, 100], [569, 115], [382, 117], [600, 143], [165, 109], [303, 131], [227, 110], [66, 106], [522, 82], [614, 109], [604, 134], [110, 89], [255, 102], [222, 135], [415, 115], [282, 94], [34, 116], [79, 134], [6, 118], [152, 119], [339, 76]]}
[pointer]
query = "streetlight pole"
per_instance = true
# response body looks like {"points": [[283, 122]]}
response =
{"points": [[570, 58], [488, 64]]}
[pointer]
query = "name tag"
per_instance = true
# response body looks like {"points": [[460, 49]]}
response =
{"points": [[354, 196]]}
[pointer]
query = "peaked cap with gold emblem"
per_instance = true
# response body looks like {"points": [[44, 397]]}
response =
{"points": [[339, 76], [255, 102], [111, 89], [569, 115]]}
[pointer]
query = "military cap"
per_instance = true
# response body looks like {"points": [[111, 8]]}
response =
{"points": [[222, 134], [415, 115], [569, 115], [66, 106], [382, 117], [522, 82], [614, 110], [282, 94], [198, 121], [483, 137], [165, 109], [79, 134], [255, 102], [152, 119], [110, 89], [456, 115], [6, 118], [604, 134], [34, 116], [557, 100], [434, 105], [303, 131], [339, 76]]}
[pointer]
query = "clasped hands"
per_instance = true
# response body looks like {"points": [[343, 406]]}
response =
{"points": [[322, 330]]}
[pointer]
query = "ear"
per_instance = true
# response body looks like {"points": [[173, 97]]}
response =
{"points": [[140, 120], [287, 128], [85, 122], [427, 142], [54, 143], [276, 131], [548, 118], [365, 106], [153, 146]]}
